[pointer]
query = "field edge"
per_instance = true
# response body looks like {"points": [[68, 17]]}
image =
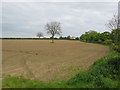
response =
{"points": [[20, 82]]}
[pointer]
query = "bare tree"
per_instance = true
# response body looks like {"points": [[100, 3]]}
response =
{"points": [[114, 26], [39, 34], [114, 23], [53, 28]]}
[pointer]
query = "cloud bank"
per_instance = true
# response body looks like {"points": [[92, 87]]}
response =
{"points": [[25, 19]]}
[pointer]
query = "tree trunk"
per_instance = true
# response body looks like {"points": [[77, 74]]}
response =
{"points": [[52, 39]]}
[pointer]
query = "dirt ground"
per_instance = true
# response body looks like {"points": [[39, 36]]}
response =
{"points": [[45, 61]]}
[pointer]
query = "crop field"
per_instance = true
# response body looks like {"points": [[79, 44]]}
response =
{"points": [[45, 61]]}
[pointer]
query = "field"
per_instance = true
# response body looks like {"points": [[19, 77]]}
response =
{"points": [[45, 61]]}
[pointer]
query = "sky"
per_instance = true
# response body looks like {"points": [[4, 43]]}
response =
{"points": [[26, 19]]}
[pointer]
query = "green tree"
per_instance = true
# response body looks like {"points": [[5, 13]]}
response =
{"points": [[77, 38], [116, 36], [91, 36], [83, 37], [105, 36]]}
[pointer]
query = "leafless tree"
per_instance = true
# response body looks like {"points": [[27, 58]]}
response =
{"points": [[114, 26], [39, 34], [53, 28], [114, 23]]}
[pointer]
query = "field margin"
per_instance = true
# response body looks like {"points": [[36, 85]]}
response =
{"points": [[73, 82]]}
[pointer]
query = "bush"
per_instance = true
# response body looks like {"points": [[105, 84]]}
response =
{"points": [[104, 73], [108, 42], [107, 82], [116, 47]]}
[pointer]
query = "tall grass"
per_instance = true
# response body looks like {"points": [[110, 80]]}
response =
{"points": [[104, 73]]}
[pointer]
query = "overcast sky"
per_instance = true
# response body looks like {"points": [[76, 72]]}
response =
{"points": [[25, 19]]}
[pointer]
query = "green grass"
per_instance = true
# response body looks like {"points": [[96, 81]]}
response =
{"points": [[104, 73]]}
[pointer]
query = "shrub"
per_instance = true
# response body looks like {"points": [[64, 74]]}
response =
{"points": [[108, 42], [107, 82], [116, 47], [104, 73]]}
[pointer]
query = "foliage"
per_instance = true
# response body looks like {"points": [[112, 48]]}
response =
{"points": [[116, 47], [105, 36], [93, 36], [114, 26], [104, 73], [64, 38], [68, 38], [77, 38], [116, 36]]}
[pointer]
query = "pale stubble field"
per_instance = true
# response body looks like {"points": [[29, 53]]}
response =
{"points": [[45, 61]]}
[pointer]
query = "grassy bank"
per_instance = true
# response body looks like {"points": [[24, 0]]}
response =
{"points": [[104, 73]]}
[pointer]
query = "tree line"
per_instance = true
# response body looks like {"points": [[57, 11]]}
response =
{"points": [[93, 36], [112, 37], [54, 28]]}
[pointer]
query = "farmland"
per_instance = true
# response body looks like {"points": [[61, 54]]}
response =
{"points": [[45, 61]]}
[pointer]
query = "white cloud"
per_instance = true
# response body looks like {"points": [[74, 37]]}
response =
{"points": [[60, 0], [29, 18]]}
